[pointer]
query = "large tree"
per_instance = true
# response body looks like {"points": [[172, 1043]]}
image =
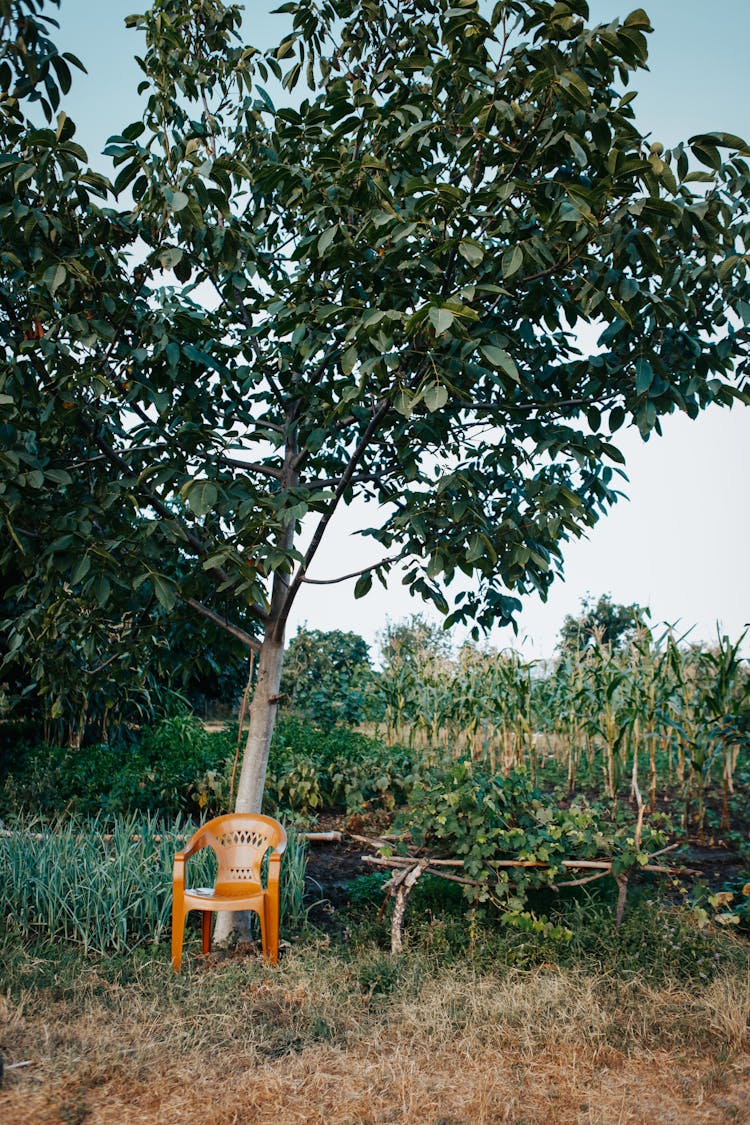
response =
{"points": [[374, 288]]}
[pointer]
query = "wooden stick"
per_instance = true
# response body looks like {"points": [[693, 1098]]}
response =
{"points": [[580, 882], [406, 882], [622, 894], [601, 867]]}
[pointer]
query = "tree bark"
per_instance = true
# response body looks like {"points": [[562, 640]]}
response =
{"points": [[253, 774], [263, 709], [262, 719]]}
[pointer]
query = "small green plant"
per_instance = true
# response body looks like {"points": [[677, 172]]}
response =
{"points": [[729, 906]]}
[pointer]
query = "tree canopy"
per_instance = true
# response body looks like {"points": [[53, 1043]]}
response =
{"points": [[601, 622], [373, 287], [327, 676]]}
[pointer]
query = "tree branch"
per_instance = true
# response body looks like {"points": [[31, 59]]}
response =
{"points": [[252, 466], [379, 414], [355, 573], [223, 623]]}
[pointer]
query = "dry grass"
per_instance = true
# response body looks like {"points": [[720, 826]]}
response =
{"points": [[324, 1040]]}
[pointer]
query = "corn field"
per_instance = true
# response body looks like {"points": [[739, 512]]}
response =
{"points": [[656, 716]]}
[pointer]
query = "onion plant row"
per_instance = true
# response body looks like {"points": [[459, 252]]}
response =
{"points": [[110, 888]]}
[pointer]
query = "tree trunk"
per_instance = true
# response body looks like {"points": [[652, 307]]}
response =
{"points": [[253, 774], [262, 719]]}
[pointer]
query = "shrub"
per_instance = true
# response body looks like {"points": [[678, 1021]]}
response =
{"points": [[177, 768], [311, 769], [459, 810], [156, 774]]}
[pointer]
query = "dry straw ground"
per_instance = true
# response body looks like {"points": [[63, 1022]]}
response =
{"points": [[324, 1040]]}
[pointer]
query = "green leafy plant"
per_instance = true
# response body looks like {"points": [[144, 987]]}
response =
{"points": [[156, 773], [511, 839]]}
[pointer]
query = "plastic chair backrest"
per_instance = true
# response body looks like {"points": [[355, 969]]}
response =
{"points": [[240, 840]]}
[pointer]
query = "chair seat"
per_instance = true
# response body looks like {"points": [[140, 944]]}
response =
{"points": [[208, 898]]}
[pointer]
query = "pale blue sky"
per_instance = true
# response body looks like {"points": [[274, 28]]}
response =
{"points": [[681, 543], [699, 74]]}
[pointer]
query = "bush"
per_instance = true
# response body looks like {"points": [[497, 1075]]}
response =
{"points": [[157, 774], [459, 810], [178, 768], [310, 769]]}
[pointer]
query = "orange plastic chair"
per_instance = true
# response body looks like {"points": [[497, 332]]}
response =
{"points": [[240, 840]]}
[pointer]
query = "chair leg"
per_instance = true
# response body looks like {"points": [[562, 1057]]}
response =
{"points": [[271, 904], [263, 929], [206, 930], [179, 914]]}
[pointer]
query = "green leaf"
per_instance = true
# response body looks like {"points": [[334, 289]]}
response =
{"points": [[403, 402], [58, 476], [349, 360], [54, 277], [170, 257], [434, 396], [476, 549], [512, 261], [81, 569], [327, 238], [638, 18], [441, 320], [574, 84], [472, 252], [165, 591], [23, 172], [499, 359], [616, 418], [724, 140], [102, 590], [707, 154], [644, 375], [201, 496], [363, 585], [612, 452]]}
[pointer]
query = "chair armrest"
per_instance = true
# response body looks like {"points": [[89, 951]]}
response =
{"points": [[178, 870], [274, 869], [193, 845]]}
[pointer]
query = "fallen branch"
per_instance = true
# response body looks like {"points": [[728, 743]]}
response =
{"points": [[406, 866], [582, 882], [407, 869]]}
